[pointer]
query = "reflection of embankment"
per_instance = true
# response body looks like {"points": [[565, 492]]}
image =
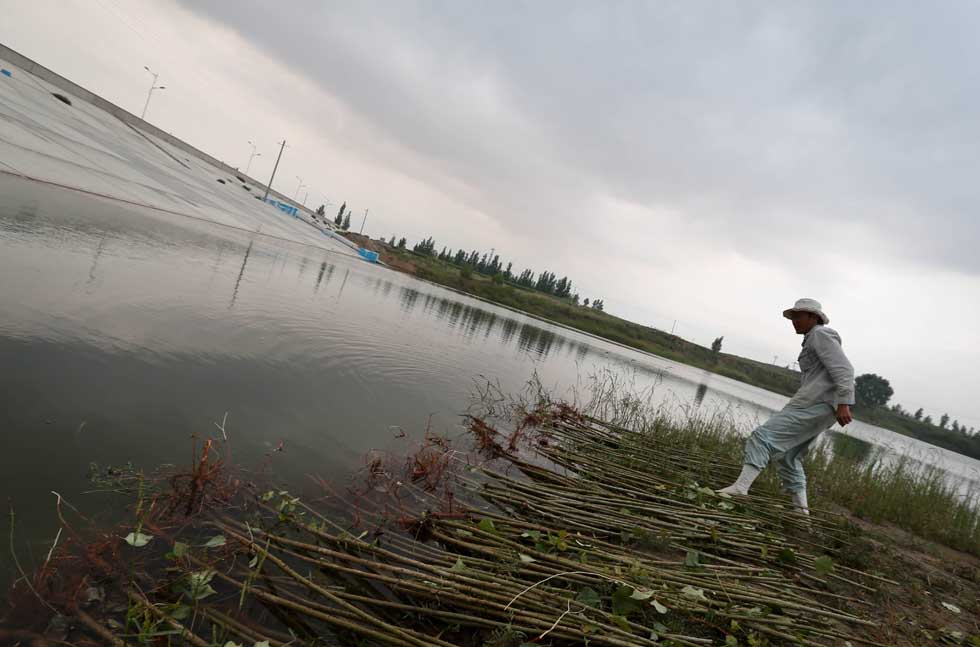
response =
{"points": [[473, 321]]}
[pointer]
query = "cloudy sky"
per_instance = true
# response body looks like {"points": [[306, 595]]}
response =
{"points": [[704, 163]]}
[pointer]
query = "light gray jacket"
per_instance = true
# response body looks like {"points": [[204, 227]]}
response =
{"points": [[827, 373]]}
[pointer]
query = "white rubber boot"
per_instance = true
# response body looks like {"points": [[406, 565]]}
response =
{"points": [[799, 500], [744, 482]]}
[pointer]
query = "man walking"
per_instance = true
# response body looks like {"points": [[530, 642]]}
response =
{"points": [[825, 394]]}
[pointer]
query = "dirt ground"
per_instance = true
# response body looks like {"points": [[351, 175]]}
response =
{"points": [[936, 600], [386, 256]]}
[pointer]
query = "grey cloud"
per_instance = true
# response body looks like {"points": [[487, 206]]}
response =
{"points": [[766, 120]]}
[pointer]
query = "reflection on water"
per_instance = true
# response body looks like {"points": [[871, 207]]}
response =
{"points": [[241, 273], [700, 393], [851, 448]]}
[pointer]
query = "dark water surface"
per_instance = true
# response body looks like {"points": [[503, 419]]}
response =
{"points": [[124, 331]]}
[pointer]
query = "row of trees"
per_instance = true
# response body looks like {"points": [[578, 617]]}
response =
{"points": [[872, 390], [342, 220], [490, 265]]}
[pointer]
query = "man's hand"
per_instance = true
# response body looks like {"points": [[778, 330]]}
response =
{"points": [[843, 414]]}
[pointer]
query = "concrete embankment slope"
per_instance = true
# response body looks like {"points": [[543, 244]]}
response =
{"points": [[94, 146]]}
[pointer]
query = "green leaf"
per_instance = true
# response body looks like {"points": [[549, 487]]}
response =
{"points": [[731, 641], [659, 607], [823, 565], [264, 643], [203, 592], [661, 627], [693, 594], [691, 560], [786, 556], [252, 563], [527, 559], [459, 566], [138, 539], [180, 549], [181, 612], [623, 602], [486, 525], [532, 534], [588, 597], [232, 644], [462, 532], [199, 584], [214, 542], [620, 621], [641, 594]]}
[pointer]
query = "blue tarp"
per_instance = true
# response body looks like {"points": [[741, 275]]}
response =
{"points": [[368, 255], [284, 207]]}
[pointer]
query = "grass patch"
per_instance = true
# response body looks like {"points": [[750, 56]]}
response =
{"points": [[877, 488], [915, 498]]}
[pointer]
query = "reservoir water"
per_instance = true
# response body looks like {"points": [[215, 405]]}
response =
{"points": [[123, 331]]}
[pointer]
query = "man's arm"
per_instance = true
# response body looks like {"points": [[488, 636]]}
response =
{"points": [[841, 372]]}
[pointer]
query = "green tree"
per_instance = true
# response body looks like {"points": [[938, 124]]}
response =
{"points": [[716, 344], [321, 210], [427, 247], [872, 390], [346, 224], [918, 414], [586, 302], [339, 220], [943, 421], [402, 242], [927, 420]]}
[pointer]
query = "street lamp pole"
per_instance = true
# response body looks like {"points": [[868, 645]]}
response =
{"points": [[153, 86], [363, 221], [274, 168], [251, 157]]}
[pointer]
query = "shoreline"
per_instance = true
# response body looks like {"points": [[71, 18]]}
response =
{"points": [[542, 521], [400, 260]]}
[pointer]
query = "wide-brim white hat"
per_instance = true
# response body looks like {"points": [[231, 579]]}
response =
{"points": [[807, 305]]}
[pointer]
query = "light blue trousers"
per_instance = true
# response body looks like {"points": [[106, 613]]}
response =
{"points": [[785, 438]]}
